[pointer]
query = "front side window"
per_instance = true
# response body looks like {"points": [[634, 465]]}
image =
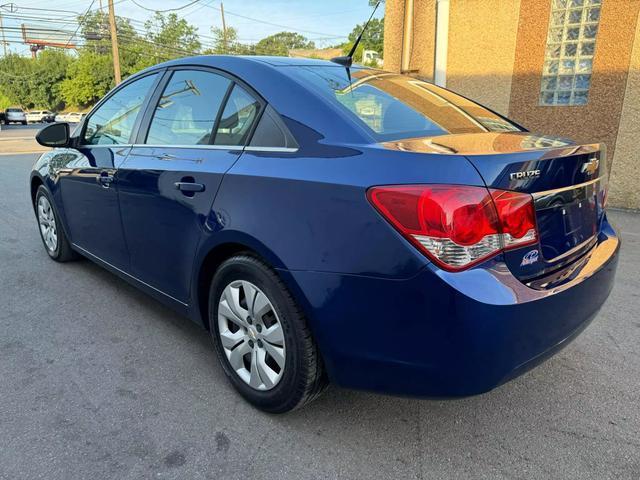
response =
{"points": [[392, 106], [186, 113], [113, 121], [238, 117], [568, 60]]}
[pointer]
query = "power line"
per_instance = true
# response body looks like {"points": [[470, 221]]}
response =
{"points": [[206, 42], [165, 10], [295, 29], [80, 22], [323, 35]]}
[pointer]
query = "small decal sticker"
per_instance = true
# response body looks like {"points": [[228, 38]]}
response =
{"points": [[529, 258]]}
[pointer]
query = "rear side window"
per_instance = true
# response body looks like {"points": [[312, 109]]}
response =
{"points": [[113, 121], [271, 132], [237, 118], [186, 113]]}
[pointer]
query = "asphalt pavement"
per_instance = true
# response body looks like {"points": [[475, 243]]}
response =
{"points": [[99, 381]]}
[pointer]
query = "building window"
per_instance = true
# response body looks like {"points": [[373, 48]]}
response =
{"points": [[568, 60]]}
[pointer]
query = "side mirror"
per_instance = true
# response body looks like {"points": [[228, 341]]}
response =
{"points": [[54, 135]]}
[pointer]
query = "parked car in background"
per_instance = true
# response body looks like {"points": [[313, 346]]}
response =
{"points": [[14, 115], [70, 117], [40, 116], [334, 224]]}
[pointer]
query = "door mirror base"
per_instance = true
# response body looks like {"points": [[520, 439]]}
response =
{"points": [[55, 135]]}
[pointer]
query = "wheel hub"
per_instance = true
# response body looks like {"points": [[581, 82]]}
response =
{"points": [[251, 335], [47, 223]]}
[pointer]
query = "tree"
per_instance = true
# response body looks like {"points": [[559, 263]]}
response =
{"points": [[372, 38], [171, 36], [281, 43], [134, 50], [16, 71], [228, 45], [50, 69], [87, 79], [97, 36]]}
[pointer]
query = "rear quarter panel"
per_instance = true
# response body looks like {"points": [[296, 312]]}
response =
{"points": [[308, 210]]}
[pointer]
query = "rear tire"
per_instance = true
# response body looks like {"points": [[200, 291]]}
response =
{"points": [[52, 234], [276, 325]]}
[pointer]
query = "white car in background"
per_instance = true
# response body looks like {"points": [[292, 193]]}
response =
{"points": [[40, 116], [70, 117], [14, 115]]}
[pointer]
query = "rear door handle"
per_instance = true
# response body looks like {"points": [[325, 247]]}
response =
{"points": [[189, 187], [105, 179]]}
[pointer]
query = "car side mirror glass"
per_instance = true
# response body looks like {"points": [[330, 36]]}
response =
{"points": [[54, 135]]}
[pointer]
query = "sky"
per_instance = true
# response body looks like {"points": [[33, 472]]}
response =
{"points": [[326, 22]]}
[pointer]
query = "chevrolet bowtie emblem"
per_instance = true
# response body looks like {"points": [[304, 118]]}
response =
{"points": [[590, 167]]}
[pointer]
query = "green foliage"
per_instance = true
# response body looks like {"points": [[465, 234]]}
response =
{"points": [[88, 79], [173, 37], [4, 101], [59, 79], [281, 43], [49, 72], [229, 44], [372, 39], [16, 71]]}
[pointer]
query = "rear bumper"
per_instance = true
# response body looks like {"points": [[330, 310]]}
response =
{"points": [[446, 334]]}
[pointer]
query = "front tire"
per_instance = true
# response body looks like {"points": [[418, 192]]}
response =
{"points": [[53, 237], [262, 338]]}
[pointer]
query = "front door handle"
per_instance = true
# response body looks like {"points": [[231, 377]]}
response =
{"points": [[189, 187], [105, 179]]}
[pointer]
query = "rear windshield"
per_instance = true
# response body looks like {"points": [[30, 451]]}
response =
{"points": [[14, 110], [392, 106]]}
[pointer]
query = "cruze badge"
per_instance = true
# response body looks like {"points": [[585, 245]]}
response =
{"points": [[591, 166], [529, 258], [525, 174]]}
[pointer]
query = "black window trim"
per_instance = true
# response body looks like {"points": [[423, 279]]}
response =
{"points": [[258, 148], [160, 72], [143, 131]]}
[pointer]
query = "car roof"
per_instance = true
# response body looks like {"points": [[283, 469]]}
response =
{"points": [[243, 59]]}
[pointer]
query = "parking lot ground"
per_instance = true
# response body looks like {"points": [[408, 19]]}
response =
{"points": [[19, 139], [98, 381]]}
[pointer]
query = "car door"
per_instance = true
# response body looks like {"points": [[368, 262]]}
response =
{"points": [[89, 184], [193, 132]]}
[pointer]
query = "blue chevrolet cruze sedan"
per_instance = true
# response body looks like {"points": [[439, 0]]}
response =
{"points": [[334, 224]]}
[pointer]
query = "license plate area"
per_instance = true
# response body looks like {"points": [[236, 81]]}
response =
{"points": [[567, 219]]}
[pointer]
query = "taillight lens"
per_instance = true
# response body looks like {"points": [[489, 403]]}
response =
{"points": [[456, 225]]}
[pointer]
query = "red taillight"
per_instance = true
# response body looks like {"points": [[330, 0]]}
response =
{"points": [[455, 225]]}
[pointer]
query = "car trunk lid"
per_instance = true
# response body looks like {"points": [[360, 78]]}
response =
{"points": [[568, 183]]}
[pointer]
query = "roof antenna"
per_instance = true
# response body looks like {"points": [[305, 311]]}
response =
{"points": [[347, 60]]}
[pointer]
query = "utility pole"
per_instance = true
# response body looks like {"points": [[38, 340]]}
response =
{"points": [[224, 29], [11, 8], [4, 40], [114, 43]]}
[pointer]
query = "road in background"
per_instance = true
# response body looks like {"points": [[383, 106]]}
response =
{"points": [[20, 138], [100, 381]]}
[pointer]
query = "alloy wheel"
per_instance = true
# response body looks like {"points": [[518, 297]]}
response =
{"points": [[251, 335], [47, 222]]}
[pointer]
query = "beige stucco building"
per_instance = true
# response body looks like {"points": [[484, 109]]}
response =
{"points": [[564, 67]]}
